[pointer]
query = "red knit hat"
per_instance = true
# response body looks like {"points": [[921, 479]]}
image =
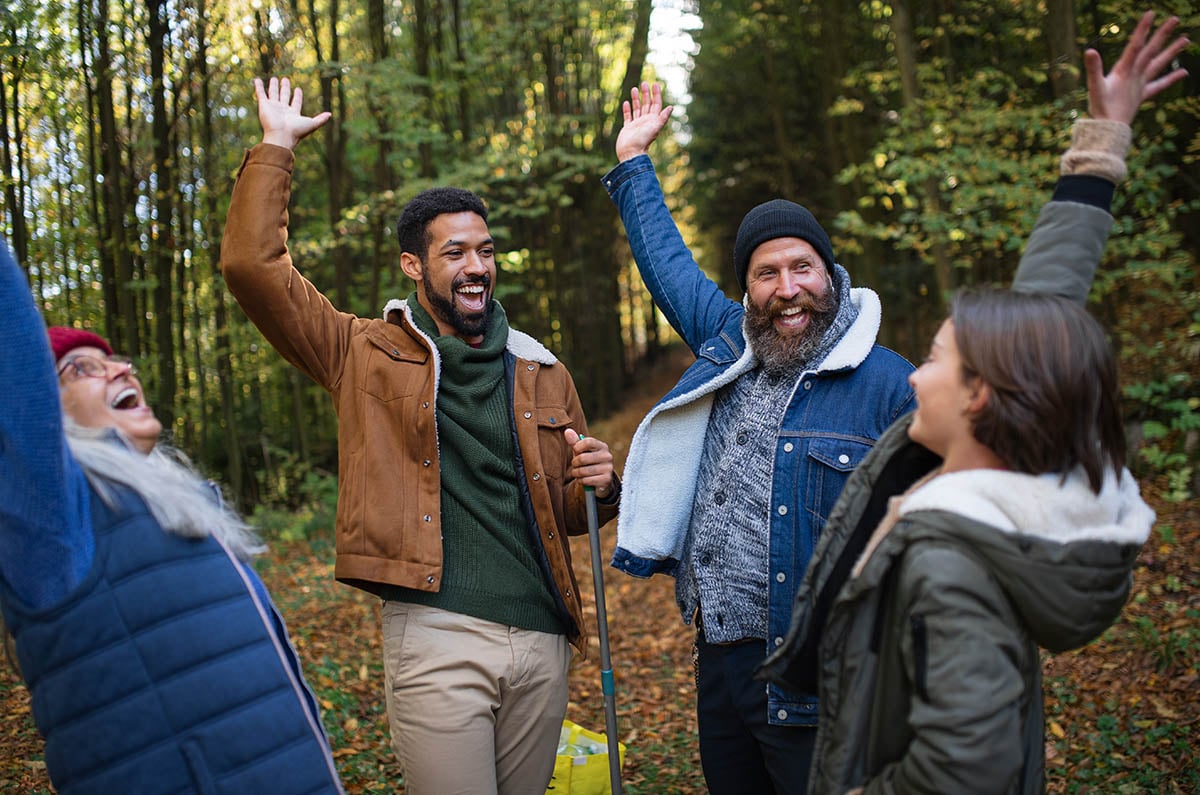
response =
{"points": [[64, 339]]}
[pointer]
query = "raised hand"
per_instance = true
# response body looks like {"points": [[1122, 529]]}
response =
{"points": [[645, 117], [1117, 95], [279, 113]]}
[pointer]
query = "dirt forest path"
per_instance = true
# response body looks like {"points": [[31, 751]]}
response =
{"points": [[1121, 715]]}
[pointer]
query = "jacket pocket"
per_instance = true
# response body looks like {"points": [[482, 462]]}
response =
{"points": [[556, 456], [920, 646], [831, 460], [390, 373]]}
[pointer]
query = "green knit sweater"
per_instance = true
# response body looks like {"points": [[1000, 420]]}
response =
{"points": [[490, 569]]}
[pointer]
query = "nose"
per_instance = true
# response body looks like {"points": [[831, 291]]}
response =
{"points": [[475, 263], [788, 286], [912, 378]]}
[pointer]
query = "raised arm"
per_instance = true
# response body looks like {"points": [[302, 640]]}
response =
{"points": [[1065, 247], [45, 525], [691, 302], [290, 311]]}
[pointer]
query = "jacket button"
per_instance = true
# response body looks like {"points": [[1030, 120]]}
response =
{"points": [[528, 414], [719, 498], [428, 518], [550, 534], [808, 384], [553, 421], [741, 438], [779, 641], [529, 367], [788, 447], [843, 459], [781, 714], [783, 510], [781, 577], [395, 352], [425, 405], [537, 475], [429, 579], [426, 462], [568, 592]]}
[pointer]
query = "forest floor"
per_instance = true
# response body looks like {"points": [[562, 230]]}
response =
{"points": [[1121, 714]]}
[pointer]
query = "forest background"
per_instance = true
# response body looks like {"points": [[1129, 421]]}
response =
{"points": [[925, 135]]}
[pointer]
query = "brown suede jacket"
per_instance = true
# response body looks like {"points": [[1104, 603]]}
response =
{"points": [[383, 377]]}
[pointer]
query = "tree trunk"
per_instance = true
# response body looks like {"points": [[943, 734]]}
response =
{"points": [[1061, 48], [125, 336], [212, 232], [162, 237], [910, 90]]}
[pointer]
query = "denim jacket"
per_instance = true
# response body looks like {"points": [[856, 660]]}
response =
{"points": [[837, 411]]}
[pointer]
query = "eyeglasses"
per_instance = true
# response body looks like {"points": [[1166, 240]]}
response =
{"points": [[91, 367]]}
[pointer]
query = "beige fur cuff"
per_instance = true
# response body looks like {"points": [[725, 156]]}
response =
{"points": [[1098, 148]]}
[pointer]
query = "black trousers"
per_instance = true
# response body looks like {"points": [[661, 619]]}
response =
{"points": [[741, 753]]}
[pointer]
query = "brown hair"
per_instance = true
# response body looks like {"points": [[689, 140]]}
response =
{"points": [[1054, 401]]}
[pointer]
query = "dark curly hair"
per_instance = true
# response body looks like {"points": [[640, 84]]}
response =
{"points": [[413, 227], [1054, 401]]}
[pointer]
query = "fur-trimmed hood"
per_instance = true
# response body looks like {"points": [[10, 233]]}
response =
{"points": [[1061, 552]]}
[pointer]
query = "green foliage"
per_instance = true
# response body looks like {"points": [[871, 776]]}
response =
{"points": [[309, 507]]}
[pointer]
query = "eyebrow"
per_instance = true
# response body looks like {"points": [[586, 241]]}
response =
{"points": [[452, 243]]}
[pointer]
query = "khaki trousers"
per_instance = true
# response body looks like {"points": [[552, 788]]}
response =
{"points": [[474, 706]]}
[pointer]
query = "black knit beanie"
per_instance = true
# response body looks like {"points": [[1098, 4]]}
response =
{"points": [[777, 218]]}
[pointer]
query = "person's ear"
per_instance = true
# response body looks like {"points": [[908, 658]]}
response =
{"points": [[411, 265], [981, 393]]}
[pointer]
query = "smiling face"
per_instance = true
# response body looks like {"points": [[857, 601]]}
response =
{"points": [[792, 302], [113, 400], [946, 401], [457, 278]]}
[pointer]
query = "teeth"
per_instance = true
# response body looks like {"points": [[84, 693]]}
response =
{"points": [[127, 398], [794, 310], [471, 288]]}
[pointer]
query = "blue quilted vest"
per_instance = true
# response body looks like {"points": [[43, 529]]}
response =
{"points": [[161, 673]]}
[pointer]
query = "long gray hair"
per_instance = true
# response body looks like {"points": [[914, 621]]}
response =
{"points": [[182, 502]]}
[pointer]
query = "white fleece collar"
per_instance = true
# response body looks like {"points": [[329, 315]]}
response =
{"points": [[1041, 505], [519, 343]]}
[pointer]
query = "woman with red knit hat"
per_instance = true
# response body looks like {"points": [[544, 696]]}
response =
{"points": [[155, 659]]}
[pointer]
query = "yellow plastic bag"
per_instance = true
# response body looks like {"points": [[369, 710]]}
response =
{"points": [[581, 766]]}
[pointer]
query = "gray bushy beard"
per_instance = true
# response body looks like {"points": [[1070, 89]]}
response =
{"points": [[465, 325], [783, 352]]}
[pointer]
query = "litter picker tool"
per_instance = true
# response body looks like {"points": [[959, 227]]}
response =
{"points": [[606, 673]]}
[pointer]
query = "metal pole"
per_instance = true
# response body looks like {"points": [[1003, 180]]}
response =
{"points": [[606, 674]]}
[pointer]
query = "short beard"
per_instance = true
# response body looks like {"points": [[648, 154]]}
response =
{"points": [[465, 325], [778, 352]]}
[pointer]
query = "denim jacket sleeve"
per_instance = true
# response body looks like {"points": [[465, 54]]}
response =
{"points": [[45, 525], [693, 304]]}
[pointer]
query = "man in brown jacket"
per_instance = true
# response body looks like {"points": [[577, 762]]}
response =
{"points": [[462, 462]]}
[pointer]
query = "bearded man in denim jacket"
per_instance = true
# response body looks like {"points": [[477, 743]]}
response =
{"points": [[732, 475]]}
